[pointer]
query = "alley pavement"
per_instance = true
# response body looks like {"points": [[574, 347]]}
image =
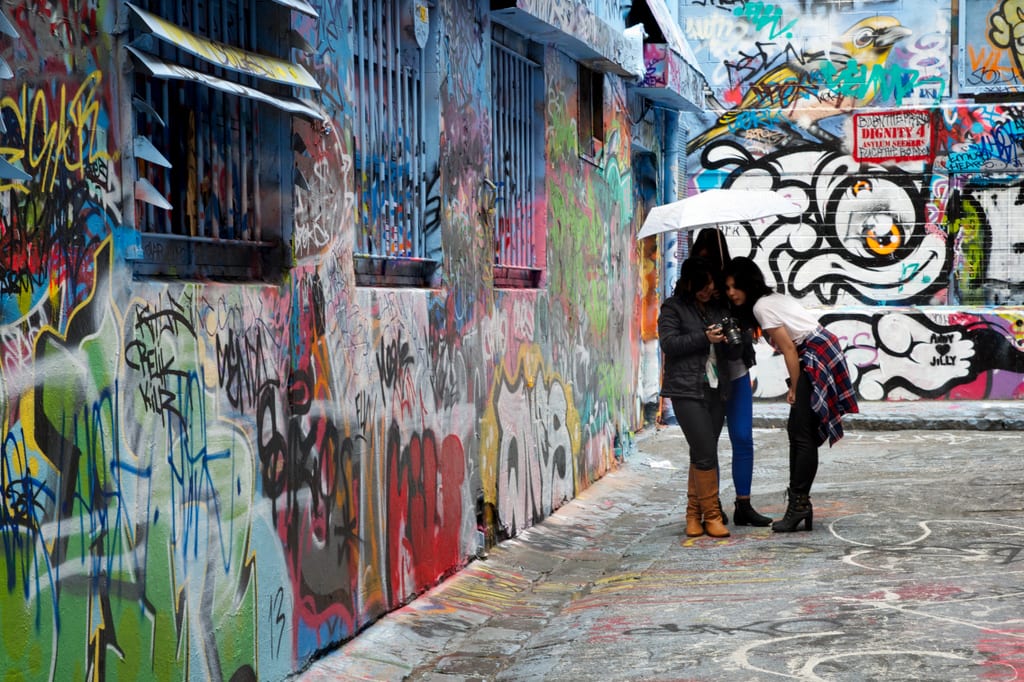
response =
{"points": [[914, 570]]}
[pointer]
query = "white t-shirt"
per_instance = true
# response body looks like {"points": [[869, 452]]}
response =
{"points": [[779, 310]]}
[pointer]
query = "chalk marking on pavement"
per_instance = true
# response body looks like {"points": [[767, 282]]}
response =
{"points": [[924, 525], [892, 606], [807, 672], [741, 657]]}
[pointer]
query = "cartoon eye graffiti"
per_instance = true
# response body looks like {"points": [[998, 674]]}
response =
{"points": [[860, 187], [873, 219], [882, 235]]}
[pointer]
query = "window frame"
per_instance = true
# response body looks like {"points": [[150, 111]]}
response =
{"points": [[517, 130], [399, 177], [204, 88]]}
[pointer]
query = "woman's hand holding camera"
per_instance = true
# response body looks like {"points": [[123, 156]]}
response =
{"points": [[715, 333]]}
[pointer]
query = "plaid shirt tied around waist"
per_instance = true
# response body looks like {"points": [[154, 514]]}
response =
{"points": [[832, 393]]}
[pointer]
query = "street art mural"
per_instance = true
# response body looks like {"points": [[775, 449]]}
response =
{"points": [[909, 355], [909, 197], [216, 480]]}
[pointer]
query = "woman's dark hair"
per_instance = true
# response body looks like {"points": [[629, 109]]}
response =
{"points": [[748, 278], [694, 275], [710, 244]]}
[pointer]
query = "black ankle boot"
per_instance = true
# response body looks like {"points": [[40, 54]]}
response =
{"points": [[745, 515], [721, 510], [798, 509]]}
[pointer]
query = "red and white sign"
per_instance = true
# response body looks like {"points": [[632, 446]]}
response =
{"points": [[892, 136]]}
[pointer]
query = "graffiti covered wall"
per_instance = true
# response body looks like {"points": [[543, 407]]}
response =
{"points": [[909, 239], [215, 480]]}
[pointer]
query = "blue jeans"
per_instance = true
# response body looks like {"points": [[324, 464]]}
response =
{"points": [[739, 418]]}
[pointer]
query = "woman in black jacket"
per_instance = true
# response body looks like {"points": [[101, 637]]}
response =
{"points": [[710, 244], [696, 378]]}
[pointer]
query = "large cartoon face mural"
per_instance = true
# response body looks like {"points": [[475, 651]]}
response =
{"points": [[866, 235], [861, 238], [799, 89]]}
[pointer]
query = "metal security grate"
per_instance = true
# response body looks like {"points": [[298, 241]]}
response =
{"points": [[388, 129], [513, 120], [213, 96], [211, 174]]}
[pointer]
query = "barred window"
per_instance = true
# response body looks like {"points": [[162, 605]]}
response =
{"points": [[518, 155], [396, 230], [213, 95]]}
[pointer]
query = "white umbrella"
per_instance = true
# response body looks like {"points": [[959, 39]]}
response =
{"points": [[715, 206]]}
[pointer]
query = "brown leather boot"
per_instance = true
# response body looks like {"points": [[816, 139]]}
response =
{"points": [[707, 498], [694, 528]]}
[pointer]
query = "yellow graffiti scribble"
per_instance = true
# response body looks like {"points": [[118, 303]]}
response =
{"points": [[64, 139], [529, 368]]}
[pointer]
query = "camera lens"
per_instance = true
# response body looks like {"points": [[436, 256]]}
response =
{"points": [[733, 335]]}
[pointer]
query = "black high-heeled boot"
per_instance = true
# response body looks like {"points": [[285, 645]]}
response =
{"points": [[798, 509], [744, 514]]}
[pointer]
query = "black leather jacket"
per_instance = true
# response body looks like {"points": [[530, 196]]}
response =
{"points": [[686, 348]]}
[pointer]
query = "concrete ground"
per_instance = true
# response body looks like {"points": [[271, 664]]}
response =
{"points": [[914, 570]]}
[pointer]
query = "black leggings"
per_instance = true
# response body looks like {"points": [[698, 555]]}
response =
{"points": [[701, 421], [803, 439]]}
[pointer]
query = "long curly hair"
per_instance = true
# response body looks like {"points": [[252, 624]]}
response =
{"points": [[748, 278]]}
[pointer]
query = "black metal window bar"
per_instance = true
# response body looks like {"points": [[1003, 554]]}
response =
{"points": [[514, 126], [213, 92], [388, 130]]}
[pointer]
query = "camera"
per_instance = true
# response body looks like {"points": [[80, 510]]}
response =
{"points": [[731, 330]]}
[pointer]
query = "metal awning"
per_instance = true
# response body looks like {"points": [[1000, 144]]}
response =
{"points": [[299, 6], [672, 76], [6, 27], [145, 191], [227, 56], [8, 171], [573, 28], [161, 69], [670, 80], [674, 37]]}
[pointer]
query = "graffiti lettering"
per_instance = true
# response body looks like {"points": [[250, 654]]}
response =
{"points": [[68, 142], [276, 620], [760, 15], [392, 360], [536, 470], [241, 367], [423, 480], [159, 380]]}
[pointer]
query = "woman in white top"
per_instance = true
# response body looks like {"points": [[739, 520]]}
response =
{"points": [[820, 390]]}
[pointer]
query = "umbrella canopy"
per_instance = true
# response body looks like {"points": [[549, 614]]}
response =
{"points": [[715, 206]]}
